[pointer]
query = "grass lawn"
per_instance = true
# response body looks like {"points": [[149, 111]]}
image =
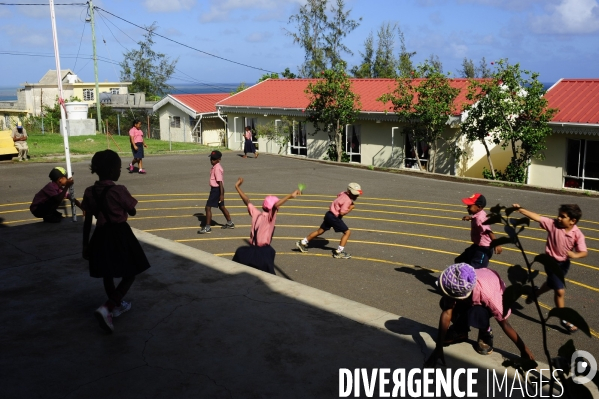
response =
{"points": [[52, 145]]}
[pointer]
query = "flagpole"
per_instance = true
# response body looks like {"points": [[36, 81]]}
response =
{"points": [[63, 117]]}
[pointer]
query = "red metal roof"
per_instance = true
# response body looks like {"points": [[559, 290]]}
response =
{"points": [[576, 99], [289, 93], [201, 103]]}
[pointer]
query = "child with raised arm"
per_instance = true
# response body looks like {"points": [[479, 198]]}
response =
{"points": [[341, 206], [113, 251], [480, 252], [565, 241], [260, 254]]}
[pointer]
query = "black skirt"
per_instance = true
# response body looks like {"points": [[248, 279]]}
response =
{"points": [[139, 153], [261, 258], [249, 147], [115, 252]]}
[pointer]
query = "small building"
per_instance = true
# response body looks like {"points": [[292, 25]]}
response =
{"points": [[572, 154], [191, 118], [376, 138]]}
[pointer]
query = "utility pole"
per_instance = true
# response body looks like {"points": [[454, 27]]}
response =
{"points": [[99, 114]]}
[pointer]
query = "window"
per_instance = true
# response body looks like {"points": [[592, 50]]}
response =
{"points": [[115, 90], [410, 161], [353, 140], [88, 94], [176, 121], [582, 165], [298, 139]]}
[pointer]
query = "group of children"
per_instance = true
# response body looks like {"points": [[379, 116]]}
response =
{"points": [[471, 292]]}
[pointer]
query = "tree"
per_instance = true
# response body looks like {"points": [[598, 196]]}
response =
{"points": [[385, 64], [468, 69], [510, 110], [483, 70], [320, 35], [287, 74], [147, 70], [332, 106], [435, 63], [242, 86], [273, 75], [425, 105], [365, 70], [277, 133], [405, 67]]}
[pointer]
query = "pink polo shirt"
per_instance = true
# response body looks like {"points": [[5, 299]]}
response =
{"points": [[118, 202], [136, 134], [479, 231], [50, 190], [559, 242], [488, 292], [341, 204], [263, 225], [216, 174]]}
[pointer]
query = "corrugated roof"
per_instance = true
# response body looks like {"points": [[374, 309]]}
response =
{"points": [[290, 93], [200, 103], [576, 99]]}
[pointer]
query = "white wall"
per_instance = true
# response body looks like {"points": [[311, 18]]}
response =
{"points": [[180, 134], [550, 171]]}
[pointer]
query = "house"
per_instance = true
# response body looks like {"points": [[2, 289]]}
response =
{"points": [[376, 138], [572, 154], [191, 118]]}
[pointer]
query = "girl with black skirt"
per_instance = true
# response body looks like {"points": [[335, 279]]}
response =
{"points": [[249, 145], [113, 251], [260, 255]]}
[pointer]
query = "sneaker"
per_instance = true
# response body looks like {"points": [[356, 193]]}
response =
{"points": [[119, 310], [301, 247], [205, 230], [228, 225], [104, 317], [484, 345], [55, 217], [142, 171], [130, 168], [341, 255]]}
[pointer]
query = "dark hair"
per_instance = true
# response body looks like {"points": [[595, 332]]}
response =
{"points": [[104, 162], [248, 128], [572, 210], [135, 122]]}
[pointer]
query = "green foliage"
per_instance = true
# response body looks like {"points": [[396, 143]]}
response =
{"points": [[332, 106], [273, 75], [321, 34], [522, 279], [509, 110], [469, 70], [365, 70], [428, 117], [276, 133], [406, 67], [147, 70], [242, 86], [287, 74]]}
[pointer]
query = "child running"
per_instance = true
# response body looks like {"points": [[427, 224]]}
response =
{"points": [[470, 298], [46, 202], [480, 252], [343, 204], [260, 254], [216, 198], [565, 241], [113, 251]]}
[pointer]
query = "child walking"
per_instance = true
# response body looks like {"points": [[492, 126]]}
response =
{"points": [[249, 145], [565, 241], [341, 206], [136, 136], [113, 251], [480, 252], [46, 202], [216, 198], [260, 254], [470, 298]]}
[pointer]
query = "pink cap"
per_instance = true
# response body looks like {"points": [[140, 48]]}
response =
{"points": [[269, 202]]}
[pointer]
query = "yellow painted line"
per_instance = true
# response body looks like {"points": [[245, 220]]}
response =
{"points": [[19, 221], [16, 203]]}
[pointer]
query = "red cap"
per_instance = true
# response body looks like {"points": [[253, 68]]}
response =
{"points": [[475, 199]]}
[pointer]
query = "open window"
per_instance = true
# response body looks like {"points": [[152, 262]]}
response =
{"points": [[410, 150], [582, 165], [298, 139], [353, 143]]}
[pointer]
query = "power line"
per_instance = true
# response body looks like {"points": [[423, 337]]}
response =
{"points": [[79, 49], [183, 44], [43, 4]]}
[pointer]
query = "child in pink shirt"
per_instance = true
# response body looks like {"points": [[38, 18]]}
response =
{"points": [[565, 241], [260, 254], [216, 197], [480, 252], [343, 204]]}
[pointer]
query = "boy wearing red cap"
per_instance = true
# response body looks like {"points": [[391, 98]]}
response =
{"points": [[480, 252], [260, 254], [343, 204]]}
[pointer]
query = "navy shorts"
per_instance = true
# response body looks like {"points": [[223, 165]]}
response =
{"points": [[139, 154], [214, 197], [466, 315], [476, 256], [553, 281], [332, 221]]}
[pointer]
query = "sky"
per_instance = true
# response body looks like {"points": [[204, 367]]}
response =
{"points": [[556, 38]]}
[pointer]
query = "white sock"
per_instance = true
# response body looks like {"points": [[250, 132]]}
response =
{"points": [[305, 241], [340, 248]]}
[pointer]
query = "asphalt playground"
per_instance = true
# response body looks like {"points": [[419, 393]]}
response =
{"points": [[405, 229]]}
